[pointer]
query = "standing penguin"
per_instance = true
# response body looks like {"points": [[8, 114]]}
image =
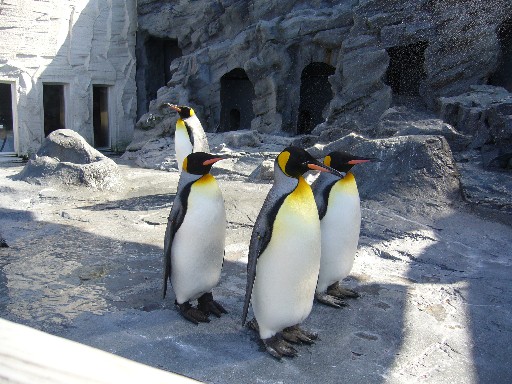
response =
{"points": [[189, 135], [284, 255], [194, 239], [340, 219]]}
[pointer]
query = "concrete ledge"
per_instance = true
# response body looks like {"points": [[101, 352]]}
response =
{"points": [[31, 356]]}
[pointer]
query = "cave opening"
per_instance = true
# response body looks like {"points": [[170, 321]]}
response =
{"points": [[100, 118], [503, 75], [406, 68], [154, 59], [6, 118], [236, 97], [315, 95], [54, 108]]}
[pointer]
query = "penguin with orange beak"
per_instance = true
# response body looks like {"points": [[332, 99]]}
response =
{"points": [[189, 135], [340, 221], [195, 238]]}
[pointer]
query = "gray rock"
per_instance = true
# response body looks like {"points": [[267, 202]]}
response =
{"points": [[264, 171], [399, 121], [485, 113], [65, 158], [412, 168], [244, 138]]}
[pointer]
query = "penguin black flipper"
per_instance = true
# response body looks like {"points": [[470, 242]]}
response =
{"points": [[259, 240], [321, 189], [190, 133], [178, 211]]}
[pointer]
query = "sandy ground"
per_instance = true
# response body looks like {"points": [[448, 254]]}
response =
{"points": [[435, 288]]}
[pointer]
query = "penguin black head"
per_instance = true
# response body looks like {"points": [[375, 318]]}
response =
{"points": [[200, 163], [295, 161], [183, 110], [344, 161]]}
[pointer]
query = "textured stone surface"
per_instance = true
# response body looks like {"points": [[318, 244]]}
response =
{"points": [[484, 113], [65, 158], [273, 42], [434, 280], [76, 43]]}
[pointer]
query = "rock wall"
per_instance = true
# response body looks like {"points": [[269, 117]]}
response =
{"points": [[76, 43], [456, 42]]}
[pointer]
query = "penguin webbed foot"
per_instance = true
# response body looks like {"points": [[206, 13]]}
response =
{"points": [[207, 305], [341, 293], [330, 300], [278, 347], [297, 335], [192, 314]]}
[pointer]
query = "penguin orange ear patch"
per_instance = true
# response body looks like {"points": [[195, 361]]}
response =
{"points": [[327, 160], [185, 162]]}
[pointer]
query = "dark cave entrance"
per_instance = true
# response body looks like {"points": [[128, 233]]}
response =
{"points": [[406, 69], [503, 75], [53, 107], [236, 96], [6, 118], [154, 57], [100, 116], [315, 95]]}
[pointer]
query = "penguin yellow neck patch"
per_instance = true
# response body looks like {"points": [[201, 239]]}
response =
{"points": [[347, 184], [180, 124], [204, 180]]}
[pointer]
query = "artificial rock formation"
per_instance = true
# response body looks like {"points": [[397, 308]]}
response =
{"points": [[65, 158], [375, 51]]}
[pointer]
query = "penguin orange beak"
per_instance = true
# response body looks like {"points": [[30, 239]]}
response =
{"points": [[324, 168], [173, 106], [213, 161], [354, 162]]}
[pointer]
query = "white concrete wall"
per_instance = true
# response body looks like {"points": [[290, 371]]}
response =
{"points": [[73, 42]]}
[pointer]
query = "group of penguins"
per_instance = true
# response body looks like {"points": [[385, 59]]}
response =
{"points": [[303, 242]]}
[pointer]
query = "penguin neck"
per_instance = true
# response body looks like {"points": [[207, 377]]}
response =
{"points": [[284, 183], [193, 123], [186, 178]]}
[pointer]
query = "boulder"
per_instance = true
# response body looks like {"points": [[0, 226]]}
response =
{"points": [[244, 138], [484, 113], [263, 172], [65, 158], [417, 168]]}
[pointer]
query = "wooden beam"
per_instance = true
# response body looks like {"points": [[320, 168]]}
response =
{"points": [[31, 356]]}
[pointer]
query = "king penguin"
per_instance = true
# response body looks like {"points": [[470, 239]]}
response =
{"points": [[284, 255], [189, 135], [195, 238], [340, 221]]}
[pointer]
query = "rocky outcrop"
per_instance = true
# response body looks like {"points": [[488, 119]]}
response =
{"points": [[65, 158], [436, 49], [485, 115]]}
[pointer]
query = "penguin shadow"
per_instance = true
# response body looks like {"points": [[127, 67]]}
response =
{"points": [[137, 203]]}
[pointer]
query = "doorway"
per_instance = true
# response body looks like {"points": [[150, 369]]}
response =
{"points": [[236, 97], [406, 68], [100, 117], [315, 95], [6, 119], [54, 108]]}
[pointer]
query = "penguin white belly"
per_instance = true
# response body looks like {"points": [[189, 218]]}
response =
{"points": [[182, 145], [340, 228], [198, 247], [287, 271]]}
